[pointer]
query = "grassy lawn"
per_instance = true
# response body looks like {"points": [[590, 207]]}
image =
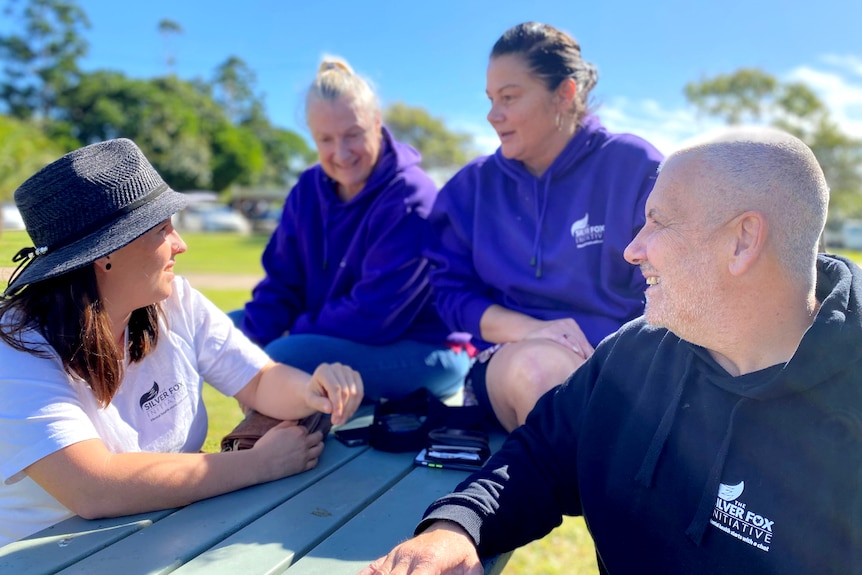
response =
{"points": [[566, 550], [222, 253], [207, 253]]}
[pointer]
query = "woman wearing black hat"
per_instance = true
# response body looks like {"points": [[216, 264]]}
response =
{"points": [[103, 354]]}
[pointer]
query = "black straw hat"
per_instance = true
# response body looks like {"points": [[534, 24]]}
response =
{"points": [[87, 204]]}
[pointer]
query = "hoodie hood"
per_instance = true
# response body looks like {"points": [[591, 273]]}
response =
{"points": [[820, 354], [352, 270], [580, 146], [394, 157], [826, 348]]}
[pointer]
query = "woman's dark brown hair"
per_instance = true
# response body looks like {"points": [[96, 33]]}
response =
{"points": [[67, 311], [552, 56]]}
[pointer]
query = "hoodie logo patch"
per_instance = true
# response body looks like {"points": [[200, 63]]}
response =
{"points": [[155, 403], [585, 234], [731, 516]]}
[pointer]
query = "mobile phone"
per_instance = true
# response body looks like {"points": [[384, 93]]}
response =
{"points": [[353, 437], [423, 459]]}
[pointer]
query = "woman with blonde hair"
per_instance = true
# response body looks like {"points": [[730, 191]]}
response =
{"points": [[346, 279]]}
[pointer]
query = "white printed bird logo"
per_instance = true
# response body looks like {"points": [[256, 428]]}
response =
{"points": [[581, 224], [730, 492]]}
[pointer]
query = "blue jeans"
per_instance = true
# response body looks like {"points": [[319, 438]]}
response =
{"points": [[391, 371]]}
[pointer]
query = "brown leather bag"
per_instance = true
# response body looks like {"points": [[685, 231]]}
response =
{"points": [[255, 424]]}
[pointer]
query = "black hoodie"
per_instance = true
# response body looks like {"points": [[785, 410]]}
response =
{"points": [[679, 467]]}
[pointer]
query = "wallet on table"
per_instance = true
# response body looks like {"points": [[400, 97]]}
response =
{"points": [[255, 424], [453, 448]]}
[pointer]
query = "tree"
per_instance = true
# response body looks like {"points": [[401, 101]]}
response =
{"points": [[168, 29], [733, 96], [751, 95], [439, 146], [24, 149], [41, 56], [176, 123], [238, 157], [233, 89], [197, 134], [286, 152]]}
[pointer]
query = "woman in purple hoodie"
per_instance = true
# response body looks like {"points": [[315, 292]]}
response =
{"points": [[346, 279], [528, 244]]}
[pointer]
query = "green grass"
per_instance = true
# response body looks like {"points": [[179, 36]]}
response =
{"points": [[10, 243], [223, 413], [227, 299], [222, 253], [207, 252]]}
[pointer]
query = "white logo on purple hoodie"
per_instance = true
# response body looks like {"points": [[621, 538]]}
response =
{"points": [[585, 234]]}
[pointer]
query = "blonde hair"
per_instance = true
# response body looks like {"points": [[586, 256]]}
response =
{"points": [[335, 79]]}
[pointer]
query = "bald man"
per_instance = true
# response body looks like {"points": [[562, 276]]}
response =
{"points": [[722, 431]]}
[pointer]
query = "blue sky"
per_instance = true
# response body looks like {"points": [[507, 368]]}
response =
{"points": [[433, 54]]}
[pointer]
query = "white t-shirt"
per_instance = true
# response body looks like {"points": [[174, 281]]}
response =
{"points": [[158, 407]]}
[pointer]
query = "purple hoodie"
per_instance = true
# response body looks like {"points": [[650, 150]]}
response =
{"points": [[352, 270], [549, 247]]}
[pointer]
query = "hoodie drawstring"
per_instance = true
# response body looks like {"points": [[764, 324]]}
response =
{"points": [[325, 240], [646, 473], [698, 524], [541, 208]]}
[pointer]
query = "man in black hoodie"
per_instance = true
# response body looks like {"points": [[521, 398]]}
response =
{"points": [[721, 432]]}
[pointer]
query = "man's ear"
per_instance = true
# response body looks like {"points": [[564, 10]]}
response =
{"points": [[749, 238]]}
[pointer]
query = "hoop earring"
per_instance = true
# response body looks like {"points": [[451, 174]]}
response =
{"points": [[107, 266], [559, 122]]}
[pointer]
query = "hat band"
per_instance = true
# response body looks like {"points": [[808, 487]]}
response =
{"points": [[26, 255], [105, 221]]}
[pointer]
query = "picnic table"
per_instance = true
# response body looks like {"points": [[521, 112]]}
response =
{"points": [[353, 507]]}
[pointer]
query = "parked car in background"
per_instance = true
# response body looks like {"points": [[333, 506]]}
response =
{"points": [[12, 219], [205, 215], [851, 234], [266, 222]]}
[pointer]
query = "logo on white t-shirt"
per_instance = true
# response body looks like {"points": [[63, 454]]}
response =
{"points": [[585, 234], [731, 516], [157, 402]]}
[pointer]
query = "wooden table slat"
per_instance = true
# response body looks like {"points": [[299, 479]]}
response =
{"points": [[191, 530], [70, 541], [269, 544], [380, 526]]}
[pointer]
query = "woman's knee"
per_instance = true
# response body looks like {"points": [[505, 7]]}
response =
{"points": [[519, 376], [539, 367]]}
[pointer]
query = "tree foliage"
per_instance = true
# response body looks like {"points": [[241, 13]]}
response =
{"points": [[440, 147], [286, 152], [24, 149], [198, 133], [40, 58], [233, 87], [168, 30], [751, 95]]}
